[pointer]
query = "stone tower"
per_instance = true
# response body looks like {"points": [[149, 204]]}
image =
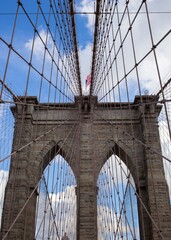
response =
{"points": [[102, 129]]}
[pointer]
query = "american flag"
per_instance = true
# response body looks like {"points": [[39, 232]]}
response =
{"points": [[88, 80]]}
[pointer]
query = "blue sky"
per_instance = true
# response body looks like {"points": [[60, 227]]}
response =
{"points": [[160, 25], [23, 42], [7, 16]]}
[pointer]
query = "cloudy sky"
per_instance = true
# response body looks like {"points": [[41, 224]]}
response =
{"points": [[160, 24], [147, 70]]}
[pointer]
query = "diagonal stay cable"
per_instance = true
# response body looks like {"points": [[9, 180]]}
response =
{"points": [[163, 88], [134, 138], [34, 68], [9, 90], [34, 140], [31, 194], [138, 63], [50, 204], [40, 37], [122, 202], [142, 203], [69, 149]]}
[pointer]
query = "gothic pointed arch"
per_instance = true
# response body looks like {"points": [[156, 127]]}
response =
{"points": [[117, 206]]}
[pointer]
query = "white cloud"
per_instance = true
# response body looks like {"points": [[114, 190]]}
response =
{"points": [[115, 169], [1, 110], [113, 185], [112, 225], [147, 70], [42, 60], [87, 6], [38, 44], [166, 150], [3, 182], [64, 208], [85, 56]]}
